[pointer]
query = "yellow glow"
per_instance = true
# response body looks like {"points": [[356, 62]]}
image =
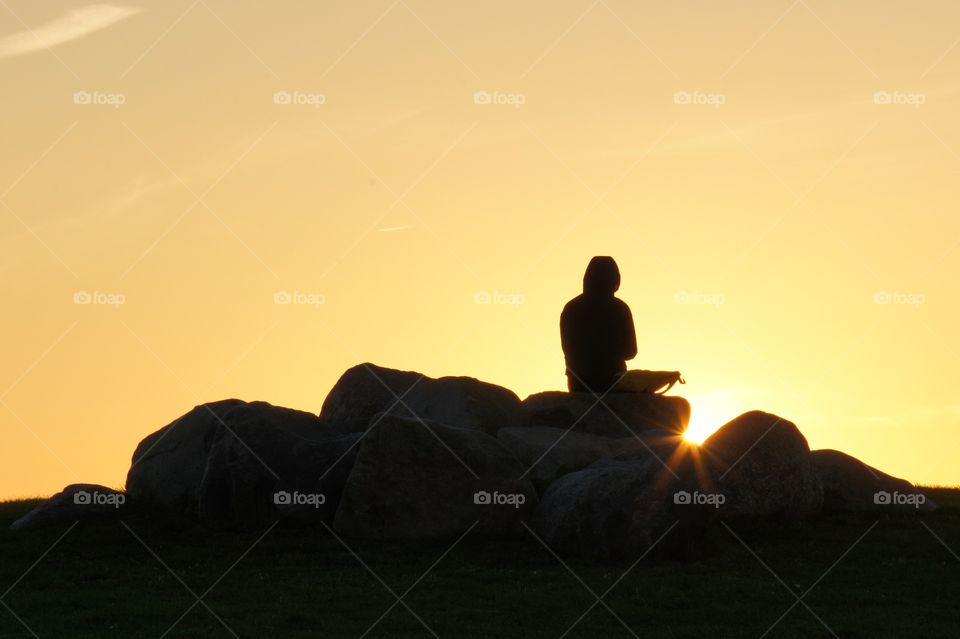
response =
{"points": [[697, 436], [710, 411]]}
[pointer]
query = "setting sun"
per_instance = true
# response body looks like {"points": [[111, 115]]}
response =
{"points": [[709, 412]]}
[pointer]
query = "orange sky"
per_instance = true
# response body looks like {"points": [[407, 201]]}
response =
{"points": [[788, 168]]}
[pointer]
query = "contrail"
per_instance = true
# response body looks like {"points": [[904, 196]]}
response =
{"points": [[70, 26]]}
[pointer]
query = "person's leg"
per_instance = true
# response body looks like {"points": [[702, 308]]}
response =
{"points": [[617, 387], [599, 387]]}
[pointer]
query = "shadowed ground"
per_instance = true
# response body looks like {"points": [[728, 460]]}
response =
{"points": [[100, 581]]}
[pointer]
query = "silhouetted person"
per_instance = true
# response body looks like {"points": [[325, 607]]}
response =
{"points": [[596, 330]]}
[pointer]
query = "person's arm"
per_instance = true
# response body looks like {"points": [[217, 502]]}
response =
{"points": [[565, 330], [629, 334]]}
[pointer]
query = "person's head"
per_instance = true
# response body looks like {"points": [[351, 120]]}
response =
{"points": [[602, 276]]}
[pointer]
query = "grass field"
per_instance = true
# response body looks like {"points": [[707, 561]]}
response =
{"points": [[850, 576]]}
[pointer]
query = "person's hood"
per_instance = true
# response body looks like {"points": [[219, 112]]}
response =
{"points": [[602, 276]]}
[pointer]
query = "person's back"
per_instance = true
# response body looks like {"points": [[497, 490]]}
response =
{"points": [[596, 330]]}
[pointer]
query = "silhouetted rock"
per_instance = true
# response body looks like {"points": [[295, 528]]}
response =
{"points": [[452, 452], [548, 453], [849, 485], [617, 415], [422, 480], [75, 502], [762, 465], [257, 473], [168, 465], [618, 506], [367, 390]]}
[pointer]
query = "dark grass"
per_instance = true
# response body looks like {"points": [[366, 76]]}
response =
{"points": [[899, 580]]}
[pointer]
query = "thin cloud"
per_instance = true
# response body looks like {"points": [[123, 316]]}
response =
{"points": [[70, 26]]}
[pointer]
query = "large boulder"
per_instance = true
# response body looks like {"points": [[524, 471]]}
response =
{"points": [[547, 453], [169, 465], [762, 465], [367, 390], [416, 479], [619, 506], [257, 474], [613, 415], [73, 503], [849, 485]]}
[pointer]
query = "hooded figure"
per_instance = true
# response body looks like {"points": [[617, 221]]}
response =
{"points": [[596, 330]]}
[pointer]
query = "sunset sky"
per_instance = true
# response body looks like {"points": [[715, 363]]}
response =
{"points": [[778, 181]]}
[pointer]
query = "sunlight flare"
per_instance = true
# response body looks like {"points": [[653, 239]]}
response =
{"points": [[709, 412]]}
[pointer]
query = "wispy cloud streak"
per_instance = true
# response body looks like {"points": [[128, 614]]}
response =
{"points": [[70, 26]]}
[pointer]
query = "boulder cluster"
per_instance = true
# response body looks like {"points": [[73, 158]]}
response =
{"points": [[399, 455]]}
